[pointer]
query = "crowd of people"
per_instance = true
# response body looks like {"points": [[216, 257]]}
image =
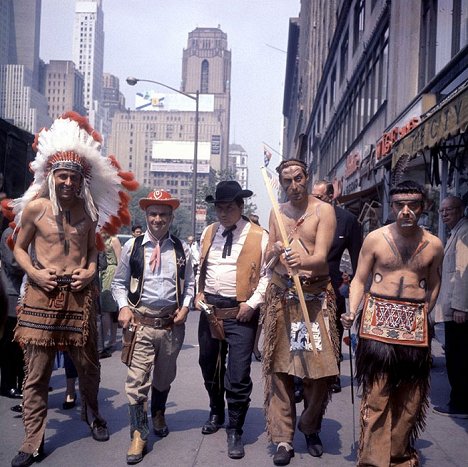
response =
{"points": [[290, 278]]}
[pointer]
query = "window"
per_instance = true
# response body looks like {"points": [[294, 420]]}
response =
{"points": [[460, 25], [333, 86], [344, 57], [204, 77], [359, 19], [427, 52]]}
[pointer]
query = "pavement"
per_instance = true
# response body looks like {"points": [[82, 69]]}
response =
{"points": [[68, 442]]}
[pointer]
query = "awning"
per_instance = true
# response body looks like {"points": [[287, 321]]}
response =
{"points": [[447, 121]]}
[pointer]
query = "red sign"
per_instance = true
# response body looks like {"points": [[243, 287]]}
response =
{"points": [[352, 164], [385, 144]]}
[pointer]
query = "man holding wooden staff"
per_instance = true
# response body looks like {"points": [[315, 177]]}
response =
{"points": [[299, 303]]}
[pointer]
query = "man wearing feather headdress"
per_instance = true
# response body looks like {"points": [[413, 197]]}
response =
{"points": [[75, 194]]}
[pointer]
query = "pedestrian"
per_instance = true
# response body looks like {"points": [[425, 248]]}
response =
{"points": [[137, 230], [348, 237], [75, 191], [231, 282], [393, 355], [153, 286], [195, 251], [11, 355], [452, 307], [289, 351], [109, 309]]}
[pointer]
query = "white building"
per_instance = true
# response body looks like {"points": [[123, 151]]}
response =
{"points": [[238, 163], [88, 54]]}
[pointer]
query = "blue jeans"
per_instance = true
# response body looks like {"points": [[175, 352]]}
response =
{"points": [[225, 365]]}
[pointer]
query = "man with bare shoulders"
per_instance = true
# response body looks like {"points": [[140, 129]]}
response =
{"points": [[56, 247], [289, 350], [393, 352]]}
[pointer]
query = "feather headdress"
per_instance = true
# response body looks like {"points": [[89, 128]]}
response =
{"points": [[71, 143]]}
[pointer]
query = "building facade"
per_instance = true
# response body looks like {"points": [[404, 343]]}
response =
{"points": [[63, 88], [390, 102], [238, 164], [21, 103], [88, 55], [206, 67]]}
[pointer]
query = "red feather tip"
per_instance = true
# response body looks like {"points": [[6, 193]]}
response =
{"points": [[114, 162], [125, 216], [130, 186], [100, 242], [124, 197]]}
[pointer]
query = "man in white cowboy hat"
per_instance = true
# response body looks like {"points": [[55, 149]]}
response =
{"points": [[232, 282], [75, 191], [153, 286]]}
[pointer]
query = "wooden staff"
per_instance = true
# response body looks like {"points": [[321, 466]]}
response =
{"points": [[287, 245]]}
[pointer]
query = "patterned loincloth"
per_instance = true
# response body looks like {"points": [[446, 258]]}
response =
{"points": [[394, 321], [57, 318]]}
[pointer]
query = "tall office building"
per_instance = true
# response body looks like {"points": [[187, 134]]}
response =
{"points": [[112, 101], [156, 141], [63, 88], [206, 67], [20, 100], [88, 54]]}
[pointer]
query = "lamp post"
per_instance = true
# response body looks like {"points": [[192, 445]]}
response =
{"points": [[132, 81]]}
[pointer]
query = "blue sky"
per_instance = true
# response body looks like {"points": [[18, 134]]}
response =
{"points": [[145, 38]]}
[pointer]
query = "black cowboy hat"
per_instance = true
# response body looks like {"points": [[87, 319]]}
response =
{"points": [[228, 191]]}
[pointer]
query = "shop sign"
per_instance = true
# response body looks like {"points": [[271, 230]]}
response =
{"points": [[385, 144], [352, 164], [448, 120]]}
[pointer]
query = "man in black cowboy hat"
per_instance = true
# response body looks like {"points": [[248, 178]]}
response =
{"points": [[153, 286], [232, 284]]}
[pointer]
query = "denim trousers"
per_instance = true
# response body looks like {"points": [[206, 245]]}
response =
{"points": [[225, 365]]}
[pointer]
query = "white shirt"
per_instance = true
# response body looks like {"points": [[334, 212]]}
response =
{"points": [[221, 273]]}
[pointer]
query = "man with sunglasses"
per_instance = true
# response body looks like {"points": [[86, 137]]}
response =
{"points": [[452, 307], [393, 356]]}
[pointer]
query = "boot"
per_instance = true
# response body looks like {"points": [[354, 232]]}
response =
{"points": [[158, 409], [137, 449], [159, 424], [139, 432], [234, 442]]}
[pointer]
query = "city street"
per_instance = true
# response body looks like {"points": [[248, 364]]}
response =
{"points": [[69, 443]]}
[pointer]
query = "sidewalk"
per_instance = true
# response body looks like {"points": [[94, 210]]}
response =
{"points": [[68, 442]]}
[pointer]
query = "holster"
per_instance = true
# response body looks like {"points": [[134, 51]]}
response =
{"points": [[216, 325], [128, 344]]}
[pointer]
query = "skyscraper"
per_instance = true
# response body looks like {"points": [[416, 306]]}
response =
{"points": [[206, 67], [20, 100], [88, 54]]}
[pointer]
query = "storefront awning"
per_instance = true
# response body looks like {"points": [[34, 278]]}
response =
{"points": [[447, 121]]}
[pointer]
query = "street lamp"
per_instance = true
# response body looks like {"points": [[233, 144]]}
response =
{"points": [[132, 81]]}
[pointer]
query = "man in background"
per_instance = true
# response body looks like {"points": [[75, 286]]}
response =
{"points": [[452, 307], [348, 237]]}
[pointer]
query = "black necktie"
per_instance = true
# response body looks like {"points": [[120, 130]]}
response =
{"points": [[228, 243]]}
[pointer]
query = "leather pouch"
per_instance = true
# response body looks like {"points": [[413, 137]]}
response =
{"points": [[128, 344]]}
